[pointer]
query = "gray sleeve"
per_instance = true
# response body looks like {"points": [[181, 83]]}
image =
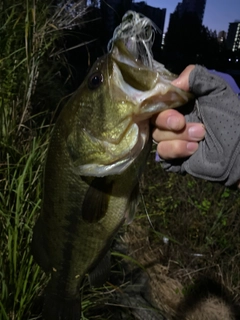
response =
{"points": [[218, 108]]}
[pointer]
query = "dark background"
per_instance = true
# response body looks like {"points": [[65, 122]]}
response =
{"points": [[187, 40]]}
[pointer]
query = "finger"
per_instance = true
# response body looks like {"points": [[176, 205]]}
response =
{"points": [[176, 149], [169, 120], [182, 81], [191, 132]]}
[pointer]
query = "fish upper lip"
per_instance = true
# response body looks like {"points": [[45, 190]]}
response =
{"points": [[148, 102], [158, 97]]}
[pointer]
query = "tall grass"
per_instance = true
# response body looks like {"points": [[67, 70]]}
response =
{"points": [[30, 81], [190, 214], [21, 279]]}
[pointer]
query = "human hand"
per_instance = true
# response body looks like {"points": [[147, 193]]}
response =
{"points": [[217, 107], [175, 137]]}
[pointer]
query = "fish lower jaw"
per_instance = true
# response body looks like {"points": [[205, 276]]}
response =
{"points": [[118, 166], [96, 170], [120, 157]]}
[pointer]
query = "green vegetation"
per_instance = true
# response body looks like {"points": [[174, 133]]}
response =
{"points": [[200, 219], [30, 82], [197, 217]]}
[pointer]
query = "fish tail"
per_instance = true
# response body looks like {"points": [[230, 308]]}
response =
{"points": [[58, 308]]}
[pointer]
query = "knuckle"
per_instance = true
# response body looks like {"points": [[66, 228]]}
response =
{"points": [[178, 149]]}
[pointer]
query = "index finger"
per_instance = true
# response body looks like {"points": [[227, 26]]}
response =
{"points": [[169, 120]]}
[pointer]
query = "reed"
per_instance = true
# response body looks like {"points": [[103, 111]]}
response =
{"points": [[30, 35]]}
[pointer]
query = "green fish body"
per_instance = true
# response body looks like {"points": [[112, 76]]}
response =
{"points": [[96, 155]]}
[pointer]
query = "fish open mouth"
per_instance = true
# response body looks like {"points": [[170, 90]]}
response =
{"points": [[134, 73], [151, 90], [146, 92]]}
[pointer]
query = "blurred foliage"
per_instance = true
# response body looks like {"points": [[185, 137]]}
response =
{"points": [[30, 83], [200, 219]]}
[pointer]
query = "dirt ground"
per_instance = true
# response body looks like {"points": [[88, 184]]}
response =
{"points": [[183, 248]]}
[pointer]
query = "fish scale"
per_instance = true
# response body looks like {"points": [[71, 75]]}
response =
{"points": [[95, 159]]}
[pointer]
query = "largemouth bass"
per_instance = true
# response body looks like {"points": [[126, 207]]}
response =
{"points": [[96, 155]]}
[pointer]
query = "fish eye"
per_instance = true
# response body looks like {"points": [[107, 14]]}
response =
{"points": [[95, 80]]}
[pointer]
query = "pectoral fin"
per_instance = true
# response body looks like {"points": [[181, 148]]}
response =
{"points": [[96, 200]]}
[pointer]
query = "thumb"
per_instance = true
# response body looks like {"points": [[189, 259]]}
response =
{"points": [[182, 81]]}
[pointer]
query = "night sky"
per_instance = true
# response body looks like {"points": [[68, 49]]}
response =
{"points": [[218, 13]]}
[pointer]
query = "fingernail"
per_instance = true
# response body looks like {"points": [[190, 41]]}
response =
{"points": [[173, 122], [197, 132], [192, 147]]}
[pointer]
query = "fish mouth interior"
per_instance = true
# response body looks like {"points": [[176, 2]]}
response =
{"points": [[133, 71]]}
